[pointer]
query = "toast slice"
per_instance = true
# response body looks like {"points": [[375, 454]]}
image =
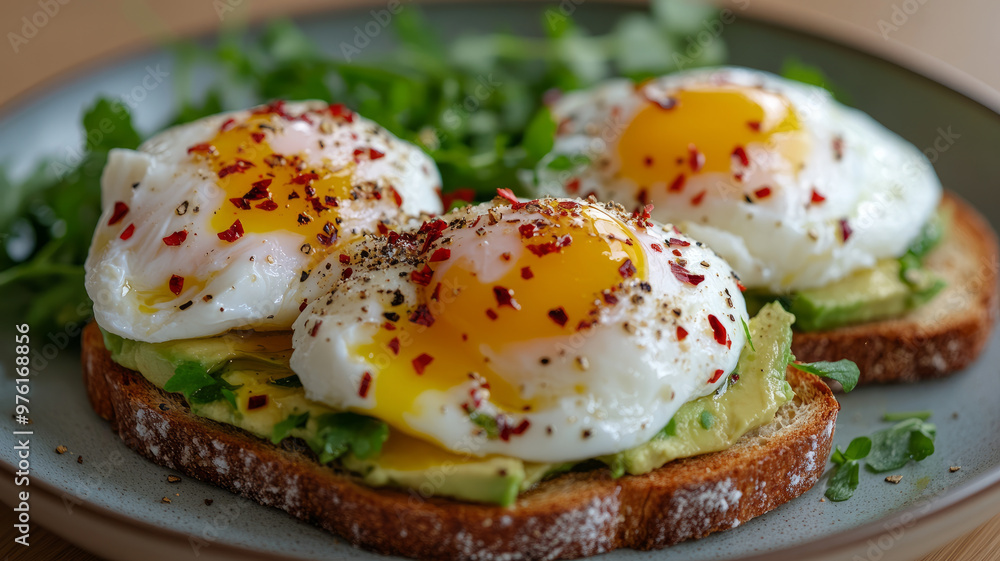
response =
{"points": [[936, 339], [572, 515]]}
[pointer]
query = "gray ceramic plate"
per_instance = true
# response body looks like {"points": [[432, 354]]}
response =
{"points": [[111, 502]]}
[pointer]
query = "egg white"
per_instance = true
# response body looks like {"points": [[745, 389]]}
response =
{"points": [[253, 282], [881, 186]]}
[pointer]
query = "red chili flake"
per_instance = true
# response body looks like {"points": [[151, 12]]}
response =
{"points": [[678, 242], [315, 328], [740, 286], [526, 273], [436, 295], [383, 229], [754, 125], [121, 209], [676, 252], [375, 154], [394, 345], [657, 247], [268, 205], [226, 125], [388, 326], [339, 110], [505, 297], [817, 198], [440, 254], [668, 103], [627, 269], [422, 316], [304, 178], [845, 229], [527, 230], [344, 258], [762, 193], [234, 232], [317, 205], [647, 161], [176, 284], [678, 183], [695, 159], [305, 302], [421, 362], [241, 204], [177, 238], [507, 194], [423, 276], [741, 154], [718, 330], [838, 148], [346, 274], [573, 186], [303, 218], [550, 247], [696, 200], [522, 426], [433, 230], [569, 205], [257, 137], [715, 377], [491, 314], [559, 316], [326, 239], [239, 167], [259, 190], [366, 382], [681, 333], [684, 275], [127, 233], [396, 197], [203, 147], [256, 401]]}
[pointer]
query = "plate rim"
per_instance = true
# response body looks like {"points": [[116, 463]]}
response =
{"points": [[801, 21]]}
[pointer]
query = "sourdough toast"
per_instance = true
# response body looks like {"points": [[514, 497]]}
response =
{"points": [[938, 338], [572, 515]]}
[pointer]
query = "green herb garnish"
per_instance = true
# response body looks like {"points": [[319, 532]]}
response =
{"points": [[284, 428], [845, 478], [292, 381], [198, 386], [843, 371], [340, 433]]}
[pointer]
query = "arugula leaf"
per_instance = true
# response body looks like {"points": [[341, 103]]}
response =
{"points": [[284, 428], [843, 371], [894, 447], [198, 386], [340, 433], [539, 136], [108, 125], [845, 478]]}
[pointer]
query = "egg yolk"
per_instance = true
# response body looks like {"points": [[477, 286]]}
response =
{"points": [[706, 130], [269, 192], [569, 265]]}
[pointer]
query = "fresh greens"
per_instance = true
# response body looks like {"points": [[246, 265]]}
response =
{"points": [[904, 415], [340, 433], [886, 450], [284, 428], [845, 478], [795, 69], [894, 447], [475, 105], [843, 371], [198, 386]]}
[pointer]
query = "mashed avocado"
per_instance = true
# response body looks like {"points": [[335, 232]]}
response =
{"points": [[266, 399]]}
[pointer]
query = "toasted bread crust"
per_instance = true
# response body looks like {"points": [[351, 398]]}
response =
{"points": [[937, 339], [573, 515]]}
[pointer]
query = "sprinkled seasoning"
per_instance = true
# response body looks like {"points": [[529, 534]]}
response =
{"points": [[234, 232], [718, 330], [507, 194], [838, 148], [681, 333], [526, 230], [127, 232], [421, 362], [715, 377], [366, 382], [175, 239], [526, 273], [627, 269], [440, 254], [816, 197], [740, 154], [678, 242], [505, 297], [754, 125], [176, 284], [762, 193], [422, 316], [657, 247], [346, 273], [845, 230], [394, 345], [695, 159], [558, 315], [256, 402], [677, 184], [696, 200], [119, 212], [684, 275], [423, 276], [315, 328]]}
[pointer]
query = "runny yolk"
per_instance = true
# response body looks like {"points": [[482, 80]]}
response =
{"points": [[543, 297], [703, 130], [270, 192]]}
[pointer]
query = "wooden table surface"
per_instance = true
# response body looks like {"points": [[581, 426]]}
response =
{"points": [[959, 32]]}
